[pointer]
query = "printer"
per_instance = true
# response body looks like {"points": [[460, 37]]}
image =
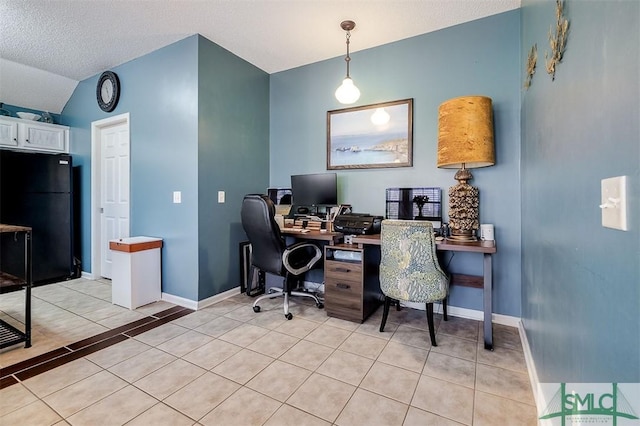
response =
{"points": [[357, 223]]}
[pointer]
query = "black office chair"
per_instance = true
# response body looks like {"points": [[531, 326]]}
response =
{"points": [[269, 252]]}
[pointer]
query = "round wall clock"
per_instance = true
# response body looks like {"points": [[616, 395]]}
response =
{"points": [[108, 91]]}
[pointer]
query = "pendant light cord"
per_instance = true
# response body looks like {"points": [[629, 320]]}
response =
{"points": [[348, 58]]}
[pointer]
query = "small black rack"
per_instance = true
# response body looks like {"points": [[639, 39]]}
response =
{"points": [[403, 203], [10, 335]]}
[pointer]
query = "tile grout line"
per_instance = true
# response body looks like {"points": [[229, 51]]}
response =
{"points": [[334, 349], [20, 373]]}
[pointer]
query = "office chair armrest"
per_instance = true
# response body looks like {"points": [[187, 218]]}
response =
{"points": [[300, 257]]}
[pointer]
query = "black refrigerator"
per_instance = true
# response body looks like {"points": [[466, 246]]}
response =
{"points": [[36, 190]]}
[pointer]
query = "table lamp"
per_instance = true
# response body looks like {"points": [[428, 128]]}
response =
{"points": [[465, 141]]}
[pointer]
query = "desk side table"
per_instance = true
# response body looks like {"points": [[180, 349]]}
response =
{"points": [[351, 284], [487, 249]]}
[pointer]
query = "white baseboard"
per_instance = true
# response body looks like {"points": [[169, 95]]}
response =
{"points": [[195, 305], [218, 297], [437, 307], [467, 313], [538, 395], [180, 301]]}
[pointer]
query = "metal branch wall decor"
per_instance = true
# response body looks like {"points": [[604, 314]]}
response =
{"points": [[557, 40], [531, 66]]}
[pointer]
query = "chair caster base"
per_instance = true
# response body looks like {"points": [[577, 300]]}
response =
{"points": [[288, 316], [256, 309]]}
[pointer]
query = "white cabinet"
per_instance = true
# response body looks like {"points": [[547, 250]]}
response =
{"points": [[8, 133], [33, 136], [136, 279], [44, 137]]}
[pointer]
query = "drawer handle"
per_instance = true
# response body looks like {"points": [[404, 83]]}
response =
{"points": [[345, 270], [343, 286]]}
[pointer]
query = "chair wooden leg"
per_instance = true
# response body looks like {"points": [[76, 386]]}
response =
{"points": [[432, 332], [385, 312], [444, 309]]}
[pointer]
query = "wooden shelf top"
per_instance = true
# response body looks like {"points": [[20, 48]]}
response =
{"points": [[4, 228], [450, 245]]}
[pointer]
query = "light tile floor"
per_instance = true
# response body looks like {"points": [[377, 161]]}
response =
{"points": [[226, 365]]}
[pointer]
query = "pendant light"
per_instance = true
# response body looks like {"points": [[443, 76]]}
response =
{"points": [[347, 93]]}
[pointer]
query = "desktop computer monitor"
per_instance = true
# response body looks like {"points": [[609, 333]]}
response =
{"points": [[312, 190]]}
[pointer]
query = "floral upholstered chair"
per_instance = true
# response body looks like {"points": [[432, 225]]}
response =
{"points": [[409, 268]]}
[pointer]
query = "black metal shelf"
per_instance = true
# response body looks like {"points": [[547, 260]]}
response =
{"points": [[10, 335]]}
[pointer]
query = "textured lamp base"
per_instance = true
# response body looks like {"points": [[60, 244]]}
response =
{"points": [[462, 236], [463, 211]]}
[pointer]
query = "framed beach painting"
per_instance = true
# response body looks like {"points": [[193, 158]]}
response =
{"points": [[371, 136]]}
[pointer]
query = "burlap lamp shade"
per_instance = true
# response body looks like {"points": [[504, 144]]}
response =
{"points": [[465, 133]]}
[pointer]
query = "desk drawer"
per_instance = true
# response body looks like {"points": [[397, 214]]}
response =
{"points": [[352, 304], [343, 289], [348, 271], [343, 300]]}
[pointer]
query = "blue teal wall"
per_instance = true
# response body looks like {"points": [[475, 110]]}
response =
{"points": [[160, 91], [233, 156], [580, 281], [480, 57], [199, 124]]}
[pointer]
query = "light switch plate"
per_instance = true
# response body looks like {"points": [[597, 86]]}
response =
{"points": [[220, 196], [177, 197], [614, 203]]}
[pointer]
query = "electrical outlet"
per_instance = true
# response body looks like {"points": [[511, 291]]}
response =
{"points": [[220, 196], [614, 203], [177, 197]]}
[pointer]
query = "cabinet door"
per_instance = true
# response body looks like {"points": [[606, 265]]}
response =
{"points": [[44, 138], [8, 133]]}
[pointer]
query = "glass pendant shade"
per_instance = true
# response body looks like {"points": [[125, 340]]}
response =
{"points": [[347, 93]]}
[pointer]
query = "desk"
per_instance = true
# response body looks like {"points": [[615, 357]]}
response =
{"points": [[330, 237], [487, 248], [485, 282]]}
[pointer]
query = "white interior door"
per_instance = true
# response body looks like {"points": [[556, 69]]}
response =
{"points": [[114, 189]]}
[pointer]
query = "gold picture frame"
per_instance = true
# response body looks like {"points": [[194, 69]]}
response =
{"points": [[371, 136]]}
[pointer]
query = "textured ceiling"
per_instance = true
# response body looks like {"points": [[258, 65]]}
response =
{"points": [[46, 47]]}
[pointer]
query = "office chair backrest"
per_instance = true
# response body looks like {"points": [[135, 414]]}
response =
{"points": [[267, 244]]}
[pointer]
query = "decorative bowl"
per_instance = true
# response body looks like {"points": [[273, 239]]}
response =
{"points": [[28, 116]]}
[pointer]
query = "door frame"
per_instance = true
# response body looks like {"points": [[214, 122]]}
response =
{"points": [[96, 163]]}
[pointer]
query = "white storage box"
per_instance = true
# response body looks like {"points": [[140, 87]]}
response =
{"points": [[135, 276], [353, 256]]}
